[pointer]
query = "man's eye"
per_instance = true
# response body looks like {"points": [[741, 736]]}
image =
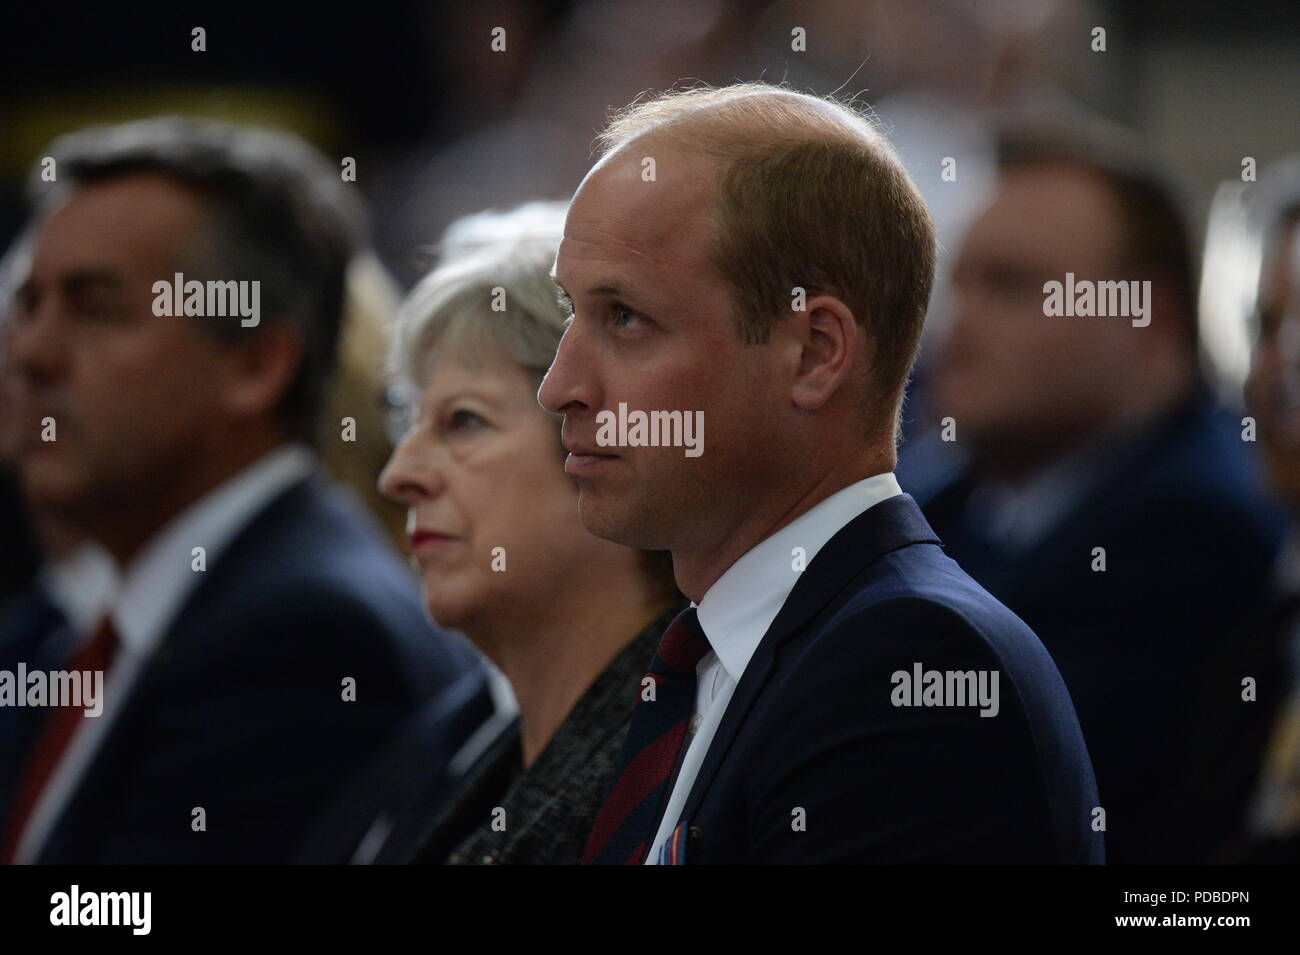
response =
{"points": [[626, 318], [99, 310], [25, 302]]}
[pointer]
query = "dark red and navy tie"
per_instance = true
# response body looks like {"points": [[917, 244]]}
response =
{"points": [[55, 736], [629, 817]]}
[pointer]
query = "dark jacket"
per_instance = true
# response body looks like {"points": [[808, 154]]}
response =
{"points": [[389, 806], [240, 710], [1189, 545], [1220, 764], [814, 762], [503, 814]]}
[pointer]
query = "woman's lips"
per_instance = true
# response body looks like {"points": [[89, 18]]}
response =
{"points": [[424, 541]]}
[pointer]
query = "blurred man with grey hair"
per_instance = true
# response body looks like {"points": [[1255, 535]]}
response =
{"points": [[170, 345]]}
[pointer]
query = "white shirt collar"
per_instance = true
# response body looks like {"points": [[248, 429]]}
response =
{"points": [[739, 608], [82, 585], [160, 578]]}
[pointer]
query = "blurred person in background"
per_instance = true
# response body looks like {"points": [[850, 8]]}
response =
{"points": [[359, 392], [1104, 496], [60, 583], [1271, 830], [571, 620], [1239, 797], [262, 640], [387, 804], [527, 129], [20, 556]]}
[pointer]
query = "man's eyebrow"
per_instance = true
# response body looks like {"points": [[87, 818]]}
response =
{"points": [[612, 288], [75, 282]]}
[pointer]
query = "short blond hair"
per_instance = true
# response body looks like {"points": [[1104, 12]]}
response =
{"points": [[809, 194]]}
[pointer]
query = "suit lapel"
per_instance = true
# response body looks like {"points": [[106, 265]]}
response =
{"points": [[199, 618], [888, 526]]}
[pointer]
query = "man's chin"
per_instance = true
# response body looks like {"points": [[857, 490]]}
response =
{"points": [[610, 517], [49, 485]]}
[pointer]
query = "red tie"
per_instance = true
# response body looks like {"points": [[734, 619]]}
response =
{"points": [[656, 737], [55, 734]]}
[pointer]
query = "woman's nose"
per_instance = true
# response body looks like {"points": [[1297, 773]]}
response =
{"points": [[413, 472]]}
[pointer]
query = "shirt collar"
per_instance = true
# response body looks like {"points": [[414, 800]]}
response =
{"points": [[82, 585], [739, 608], [157, 582]]}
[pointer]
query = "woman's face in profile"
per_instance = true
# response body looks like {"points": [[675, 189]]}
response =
{"points": [[493, 519]]}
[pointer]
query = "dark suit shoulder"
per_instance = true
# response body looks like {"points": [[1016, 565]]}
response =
{"points": [[313, 569], [847, 740]]}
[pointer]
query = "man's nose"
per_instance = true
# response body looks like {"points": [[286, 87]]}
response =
{"points": [[37, 345], [414, 472], [570, 384]]}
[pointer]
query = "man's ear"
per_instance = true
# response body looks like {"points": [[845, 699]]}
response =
{"points": [[829, 339], [260, 371]]}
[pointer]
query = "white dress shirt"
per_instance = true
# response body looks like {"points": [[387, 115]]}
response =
{"points": [[83, 585], [151, 592], [739, 608]]}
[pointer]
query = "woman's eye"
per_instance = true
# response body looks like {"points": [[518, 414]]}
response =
{"points": [[462, 419]]}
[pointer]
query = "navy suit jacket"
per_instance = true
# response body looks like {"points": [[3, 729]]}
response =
{"points": [[1190, 545], [814, 763], [389, 806], [240, 711]]}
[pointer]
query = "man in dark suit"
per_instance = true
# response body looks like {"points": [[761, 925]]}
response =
{"points": [[840, 691], [1104, 495], [170, 343]]}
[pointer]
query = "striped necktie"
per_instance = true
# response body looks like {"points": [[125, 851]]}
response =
{"points": [[626, 823]]}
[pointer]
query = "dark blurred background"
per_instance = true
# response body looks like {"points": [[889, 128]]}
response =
{"points": [[440, 128]]}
